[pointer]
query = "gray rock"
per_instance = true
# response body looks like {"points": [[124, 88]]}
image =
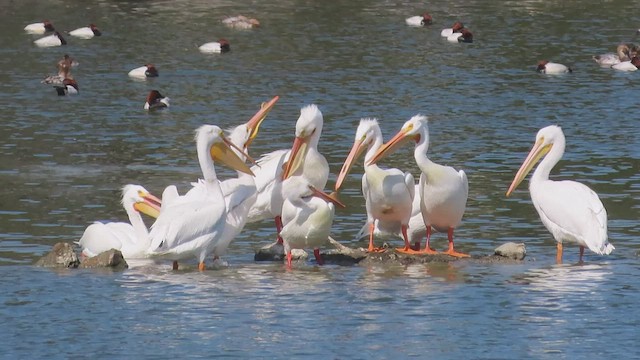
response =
{"points": [[512, 250], [275, 252], [109, 259], [61, 255]]}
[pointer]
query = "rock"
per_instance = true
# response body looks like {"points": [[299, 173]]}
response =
{"points": [[275, 252], [61, 255], [512, 250], [109, 259]]}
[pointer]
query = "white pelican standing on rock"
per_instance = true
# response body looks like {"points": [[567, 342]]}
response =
{"points": [[571, 211], [192, 225], [132, 238], [443, 190], [307, 216], [303, 159], [388, 193]]}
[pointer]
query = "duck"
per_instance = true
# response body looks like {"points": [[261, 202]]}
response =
{"points": [[86, 32], [609, 59], [39, 28], [52, 40], [456, 27], [155, 100], [463, 36], [220, 46], [143, 72], [68, 87], [241, 22], [64, 71], [130, 238], [547, 67], [631, 65], [419, 20]]}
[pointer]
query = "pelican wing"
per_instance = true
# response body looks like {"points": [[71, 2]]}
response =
{"points": [[571, 209]]}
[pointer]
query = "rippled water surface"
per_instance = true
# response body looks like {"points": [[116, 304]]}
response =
{"points": [[64, 161]]}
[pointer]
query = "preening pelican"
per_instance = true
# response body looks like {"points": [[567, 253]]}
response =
{"points": [[303, 159], [130, 238], [307, 216], [192, 225], [388, 193], [443, 190], [571, 211]]}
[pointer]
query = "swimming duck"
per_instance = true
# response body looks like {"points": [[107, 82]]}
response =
{"points": [[155, 100], [39, 28], [220, 46], [609, 59], [54, 39], [631, 65], [463, 35], [69, 87], [457, 26], [143, 72], [546, 67], [421, 20], [241, 22], [86, 32]]}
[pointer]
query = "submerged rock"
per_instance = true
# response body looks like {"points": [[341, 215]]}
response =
{"points": [[275, 252], [62, 255], [108, 259]]}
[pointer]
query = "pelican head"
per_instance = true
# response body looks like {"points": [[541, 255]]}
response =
{"points": [[367, 133], [545, 140], [141, 200], [308, 130], [414, 129], [220, 148]]}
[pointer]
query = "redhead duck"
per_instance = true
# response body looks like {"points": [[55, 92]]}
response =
{"points": [[546, 67], [220, 46], [143, 72], [457, 26], [463, 36], [155, 100], [86, 32], [422, 20], [39, 28], [631, 65], [69, 87]]}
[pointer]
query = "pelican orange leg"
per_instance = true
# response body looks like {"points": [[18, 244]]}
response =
{"points": [[451, 251]]}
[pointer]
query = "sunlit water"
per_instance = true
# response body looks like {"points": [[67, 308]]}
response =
{"points": [[64, 161]]}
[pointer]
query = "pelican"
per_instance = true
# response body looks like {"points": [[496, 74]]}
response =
{"points": [[130, 238], [192, 225], [571, 211], [240, 193], [303, 159], [307, 216], [388, 193], [443, 190]]}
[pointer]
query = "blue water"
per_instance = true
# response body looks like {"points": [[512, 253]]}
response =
{"points": [[64, 161]]}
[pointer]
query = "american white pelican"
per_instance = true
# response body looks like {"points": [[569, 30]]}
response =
{"points": [[68, 87], [241, 22], [143, 72], [155, 100], [39, 28], [86, 32], [546, 67], [464, 36], [631, 65], [609, 59], [220, 46], [130, 238], [421, 20], [191, 225], [388, 193], [54, 39], [303, 159], [443, 190], [307, 216], [571, 211], [240, 193], [456, 27]]}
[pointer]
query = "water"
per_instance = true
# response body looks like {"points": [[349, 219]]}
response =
{"points": [[65, 159]]}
